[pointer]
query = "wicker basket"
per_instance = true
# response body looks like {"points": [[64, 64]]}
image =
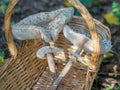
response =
{"points": [[26, 72]]}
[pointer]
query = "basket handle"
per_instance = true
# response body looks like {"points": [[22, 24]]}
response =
{"points": [[91, 25], [8, 34], [88, 18]]}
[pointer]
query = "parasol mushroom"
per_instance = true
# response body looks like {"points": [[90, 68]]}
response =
{"points": [[78, 38], [82, 42], [48, 51], [46, 25]]}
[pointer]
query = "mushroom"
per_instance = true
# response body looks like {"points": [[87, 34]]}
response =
{"points": [[62, 74], [46, 53], [78, 38], [82, 42], [66, 69], [46, 25]]}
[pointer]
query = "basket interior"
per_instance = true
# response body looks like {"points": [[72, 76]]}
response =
{"points": [[23, 72]]}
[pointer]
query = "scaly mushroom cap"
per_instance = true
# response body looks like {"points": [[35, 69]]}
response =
{"points": [[76, 37], [41, 53], [46, 25]]}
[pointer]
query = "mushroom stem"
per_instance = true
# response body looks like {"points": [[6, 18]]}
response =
{"points": [[62, 74], [51, 64], [81, 46], [67, 67]]}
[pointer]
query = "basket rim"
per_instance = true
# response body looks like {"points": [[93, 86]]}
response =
{"points": [[98, 24]]}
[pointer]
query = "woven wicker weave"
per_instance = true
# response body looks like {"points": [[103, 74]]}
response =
{"points": [[25, 71]]}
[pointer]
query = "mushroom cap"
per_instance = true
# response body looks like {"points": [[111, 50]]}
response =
{"points": [[41, 53], [74, 37], [42, 18], [23, 32], [46, 25], [77, 38]]}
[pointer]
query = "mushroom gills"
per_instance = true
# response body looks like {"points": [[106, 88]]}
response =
{"points": [[41, 53]]}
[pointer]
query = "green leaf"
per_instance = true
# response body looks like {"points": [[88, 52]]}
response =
{"points": [[78, 13], [2, 54], [67, 3], [115, 4], [1, 63], [118, 88], [111, 18], [3, 8], [86, 1], [116, 9], [107, 88]]}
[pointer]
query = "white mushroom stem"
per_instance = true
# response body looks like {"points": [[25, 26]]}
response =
{"points": [[67, 67], [51, 64], [46, 53], [62, 74]]}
